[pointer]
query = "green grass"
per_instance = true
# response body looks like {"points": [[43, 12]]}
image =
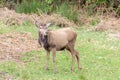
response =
{"points": [[26, 27], [99, 55]]}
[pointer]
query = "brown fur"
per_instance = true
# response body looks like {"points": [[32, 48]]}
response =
{"points": [[61, 39]]}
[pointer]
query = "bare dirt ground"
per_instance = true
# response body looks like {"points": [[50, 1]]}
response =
{"points": [[11, 44]]}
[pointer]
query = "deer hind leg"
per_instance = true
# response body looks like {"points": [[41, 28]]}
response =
{"points": [[74, 53], [78, 60], [70, 48]]}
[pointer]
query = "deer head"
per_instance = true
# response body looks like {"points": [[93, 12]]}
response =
{"points": [[43, 28]]}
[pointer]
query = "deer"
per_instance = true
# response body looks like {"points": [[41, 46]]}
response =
{"points": [[57, 40]]}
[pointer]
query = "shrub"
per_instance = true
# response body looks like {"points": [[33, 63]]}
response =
{"points": [[2, 3], [70, 12], [27, 7], [118, 10], [33, 6]]}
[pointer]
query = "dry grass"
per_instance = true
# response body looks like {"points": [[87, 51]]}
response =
{"points": [[110, 23], [11, 44], [10, 17]]}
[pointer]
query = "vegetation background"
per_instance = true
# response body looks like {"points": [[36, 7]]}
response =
{"points": [[21, 57], [68, 8]]}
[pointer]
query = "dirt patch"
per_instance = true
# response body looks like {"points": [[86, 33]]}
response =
{"points": [[5, 76], [114, 35], [110, 23], [14, 43], [10, 17]]}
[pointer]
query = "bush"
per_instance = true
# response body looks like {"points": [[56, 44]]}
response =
{"points": [[2, 2], [118, 10], [70, 12], [33, 6], [27, 7]]}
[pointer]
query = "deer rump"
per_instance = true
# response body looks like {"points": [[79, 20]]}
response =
{"points": [[58, 39]]}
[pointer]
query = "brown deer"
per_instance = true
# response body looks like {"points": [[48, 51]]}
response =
{"points": [[57, 40]]}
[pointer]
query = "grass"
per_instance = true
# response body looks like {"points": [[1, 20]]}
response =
{"points": [[99, 55], [26, 27]]}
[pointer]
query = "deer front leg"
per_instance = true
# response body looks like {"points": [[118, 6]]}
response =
{"points": [[54, 60], [73, 62], [47, 61]]}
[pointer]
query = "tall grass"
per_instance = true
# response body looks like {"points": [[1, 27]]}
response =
{"points": [[35, 6], [2, 3], [27, 7], [68, 11], [32, 6]]}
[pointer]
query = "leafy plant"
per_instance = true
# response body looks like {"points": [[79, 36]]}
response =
{"points": [[2, 2], [118, 10], [65, 10], [27, 7], [33, 6]]}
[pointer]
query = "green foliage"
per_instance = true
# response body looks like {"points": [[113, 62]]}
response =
{"points": [[118, 10], [48, 6], [26, 27], [94, 22], [33, 6], [2, 2], [49, 1], [36, 6], [65, 10], [28, 6], [101, 6]]}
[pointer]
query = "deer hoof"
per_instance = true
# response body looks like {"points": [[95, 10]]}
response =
{"points": [[55, 72], [47, 69], [79, 68], [72, 69]]}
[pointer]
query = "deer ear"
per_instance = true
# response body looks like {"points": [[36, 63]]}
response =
{"points": [[48, 24], [37, 24]]}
